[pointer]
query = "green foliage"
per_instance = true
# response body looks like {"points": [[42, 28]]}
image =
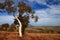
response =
{"points": [[21, 8], [4, 27]]}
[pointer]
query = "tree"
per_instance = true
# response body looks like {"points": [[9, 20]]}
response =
{"points": [[5, 26], [22, 20], [12, 28]]}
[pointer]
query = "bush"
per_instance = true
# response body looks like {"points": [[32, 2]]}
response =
{"points": [[4, 26]]}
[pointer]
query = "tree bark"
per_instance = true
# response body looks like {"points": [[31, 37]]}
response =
{"points": [[20, 27]]}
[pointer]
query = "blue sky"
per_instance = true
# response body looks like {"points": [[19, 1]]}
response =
{"points": [[48, 12]]}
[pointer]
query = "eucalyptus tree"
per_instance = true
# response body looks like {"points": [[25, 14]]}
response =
{"points": [[21, 8]]}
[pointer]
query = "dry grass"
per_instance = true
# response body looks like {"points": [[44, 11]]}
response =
{"points": [[28, 36]]}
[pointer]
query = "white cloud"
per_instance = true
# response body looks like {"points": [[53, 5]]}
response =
{"points": [[41, 13], [6, 19], [54, 6], [47, 12], [53, 11], [46, 18], [38, 1], [44, 2], [30, 0], [47, 22]]}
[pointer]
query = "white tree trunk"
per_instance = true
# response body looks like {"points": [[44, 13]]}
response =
{"points": [[20, 27]]}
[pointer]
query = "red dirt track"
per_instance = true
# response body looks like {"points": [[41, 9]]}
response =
{"points": [[28, 36]]}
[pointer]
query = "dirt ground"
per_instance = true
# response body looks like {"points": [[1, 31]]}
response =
{"points": [[28, 36]]}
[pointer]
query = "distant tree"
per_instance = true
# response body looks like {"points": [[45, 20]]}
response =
{"points": [[12, 28], [22, 20], [0, 28], [5, 26]]}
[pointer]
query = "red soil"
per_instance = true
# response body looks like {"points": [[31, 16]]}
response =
{"points": [[28, 36]]}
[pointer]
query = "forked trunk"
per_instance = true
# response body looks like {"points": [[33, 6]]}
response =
{"points": [[20, 27]]}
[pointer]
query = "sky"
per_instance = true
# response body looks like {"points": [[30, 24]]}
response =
{"points": [[48, 12]]}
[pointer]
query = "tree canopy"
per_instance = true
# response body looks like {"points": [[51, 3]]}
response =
{"points": [[21, 8]]}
